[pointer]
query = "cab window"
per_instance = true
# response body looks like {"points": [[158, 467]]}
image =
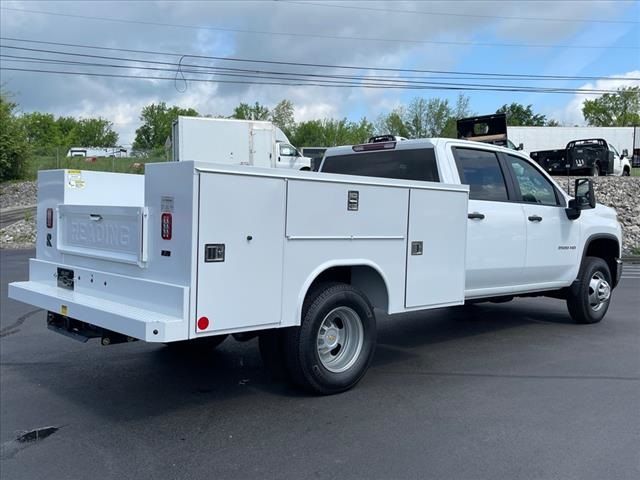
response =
{"points": [[419, 164], [288, 150], [481, 170], [533, 186]]}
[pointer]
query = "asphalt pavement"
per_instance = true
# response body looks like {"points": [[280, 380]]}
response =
{"points": [[509, 391]]}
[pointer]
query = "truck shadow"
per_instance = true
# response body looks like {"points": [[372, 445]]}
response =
{"points": [[402, 337], [134, 381]]}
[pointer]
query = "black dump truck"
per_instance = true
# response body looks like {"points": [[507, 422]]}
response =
{"points": [[591, 156], [487, 129]]}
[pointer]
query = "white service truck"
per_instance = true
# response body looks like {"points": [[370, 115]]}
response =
{"points": [[192, 252], [235, 142]]}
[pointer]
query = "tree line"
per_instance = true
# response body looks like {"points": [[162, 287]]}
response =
{"points": [[24, 134]]}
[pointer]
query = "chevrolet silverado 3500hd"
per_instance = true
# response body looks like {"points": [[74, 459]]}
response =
{"points": [[192, 252]]}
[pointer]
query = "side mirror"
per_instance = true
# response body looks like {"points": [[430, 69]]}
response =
{"points": [[625, 153], [520, 146], [585, 198]]}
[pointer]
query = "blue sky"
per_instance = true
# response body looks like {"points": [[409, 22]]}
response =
{"points": [[407, 26]]}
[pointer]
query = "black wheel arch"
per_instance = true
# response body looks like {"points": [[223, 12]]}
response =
{"points": [[607, 247]]}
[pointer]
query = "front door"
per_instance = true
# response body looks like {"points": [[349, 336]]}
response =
{"points": [[496, 239], [552, 239]]}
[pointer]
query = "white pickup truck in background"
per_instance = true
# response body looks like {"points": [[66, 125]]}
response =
{"points": [[197, 251], [234, 142]]}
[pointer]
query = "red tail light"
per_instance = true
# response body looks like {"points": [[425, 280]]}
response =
{"points": [[166, 226], [49, 217]]}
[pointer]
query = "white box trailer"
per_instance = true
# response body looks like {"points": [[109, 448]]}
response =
{"points": [[553, 138], [235, 142], [206, 250]]}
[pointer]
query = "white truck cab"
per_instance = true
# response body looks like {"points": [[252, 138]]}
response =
{"points": [[199, 251], [234, 142], [621, 163]]}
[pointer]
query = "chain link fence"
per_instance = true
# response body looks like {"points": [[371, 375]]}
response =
{"points": [[117, 159]]}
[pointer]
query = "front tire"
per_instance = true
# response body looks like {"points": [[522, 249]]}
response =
{"points": [[588, 300], [333, 347], [626, 172], [595, 171]]}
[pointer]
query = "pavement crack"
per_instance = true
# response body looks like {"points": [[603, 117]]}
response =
{"points": [[25, 439], [13, 328]]}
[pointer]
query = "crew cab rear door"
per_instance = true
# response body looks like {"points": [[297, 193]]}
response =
{"points": [[496, 240]]}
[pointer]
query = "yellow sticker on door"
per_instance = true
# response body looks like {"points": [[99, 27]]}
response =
{"points": [[63, 310]]}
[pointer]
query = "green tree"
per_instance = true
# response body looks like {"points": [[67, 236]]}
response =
{"points": [[520, 116], [67, 128], [244, 111], [620, 109], [282, 116], [14, 145], [331, 132], [41, 129], [95, 132], [461, 109], [392, 123], [157, 119]]}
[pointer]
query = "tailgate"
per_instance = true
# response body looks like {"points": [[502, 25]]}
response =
{"points": [[111, 233]]}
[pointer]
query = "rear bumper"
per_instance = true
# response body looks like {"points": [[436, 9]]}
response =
{"points": [[137, 308]]}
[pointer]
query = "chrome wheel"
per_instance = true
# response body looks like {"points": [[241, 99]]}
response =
{"points": [[340, 339], [599, 291]]}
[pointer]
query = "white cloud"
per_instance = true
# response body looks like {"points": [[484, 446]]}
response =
{"points": [[121, 99], [571, 114]]}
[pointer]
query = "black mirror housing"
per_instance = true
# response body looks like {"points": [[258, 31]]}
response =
{"points": [[625, 153], [585, 198], [520, 146]]}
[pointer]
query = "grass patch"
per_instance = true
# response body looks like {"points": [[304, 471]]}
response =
{"points": [[102, 164], [635, 172]]}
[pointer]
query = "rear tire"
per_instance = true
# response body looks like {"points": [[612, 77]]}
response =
{"points": [[333, 347], [588, 301]]}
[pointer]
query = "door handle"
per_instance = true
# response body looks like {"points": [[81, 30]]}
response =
{"points": [[476, 216], [535, 218]]}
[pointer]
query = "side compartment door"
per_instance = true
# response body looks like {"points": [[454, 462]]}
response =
{"points": [[436, 248], [240, 250]]}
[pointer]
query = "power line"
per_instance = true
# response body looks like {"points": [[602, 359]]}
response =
{"points": [[243, 73], [316, 35], [452, 14], [316, 65], [281, 83]]}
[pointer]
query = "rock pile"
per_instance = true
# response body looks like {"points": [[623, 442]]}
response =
{"points": [[21, 234], [621, 193], [17, 194]]}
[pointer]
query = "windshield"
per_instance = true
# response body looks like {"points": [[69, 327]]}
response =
{"points": [[418, 164]]}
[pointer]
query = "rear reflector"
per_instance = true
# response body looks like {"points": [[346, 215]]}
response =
{"points": [[366, 147], [49, 217], [203, 323], [166, 226]]}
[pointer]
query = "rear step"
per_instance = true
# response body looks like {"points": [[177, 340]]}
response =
{"points": [[82, 331]]}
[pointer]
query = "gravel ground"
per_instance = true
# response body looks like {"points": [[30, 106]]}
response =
{"points": [[21, 234], [17, 194], [621, 193]]}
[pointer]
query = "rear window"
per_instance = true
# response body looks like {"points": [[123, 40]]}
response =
{"points": [[417, 164]]}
